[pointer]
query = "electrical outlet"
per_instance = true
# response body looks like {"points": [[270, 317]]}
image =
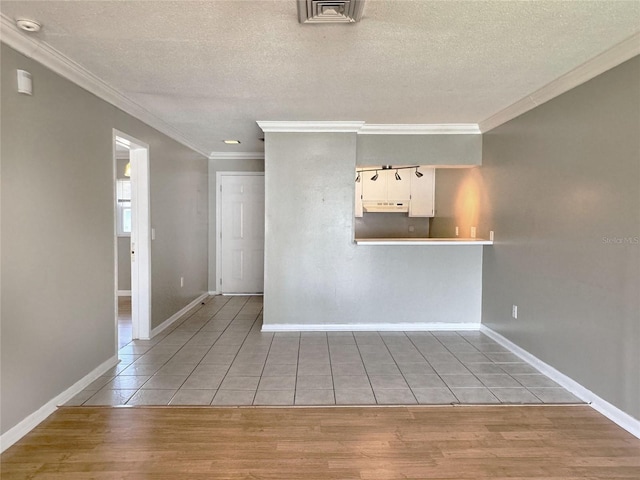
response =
{"points": [[473, 232], [412, 229], [514, 311], [457, 231], [181, 282]]}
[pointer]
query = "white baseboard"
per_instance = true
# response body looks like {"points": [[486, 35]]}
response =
{"points": [[169, 321], [213, 292], [124, 293], [368, 327], [242, 294], [612, 412], [29, 423]]}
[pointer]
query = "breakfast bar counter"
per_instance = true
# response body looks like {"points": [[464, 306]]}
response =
{"points": [[422, 241]]}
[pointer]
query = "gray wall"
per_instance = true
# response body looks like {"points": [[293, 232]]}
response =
{"points": [[124, 263], [57, 233], [391, 225], [563, 182], [419, 150], [314, 273], [460, 199], [223, 165]]}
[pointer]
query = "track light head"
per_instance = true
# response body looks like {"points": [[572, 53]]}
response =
{"points": [[375, 177], [398, 175], [418, 174], [358, 177]]}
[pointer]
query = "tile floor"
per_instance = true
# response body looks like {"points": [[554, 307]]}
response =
{"points": [[216, 355]]}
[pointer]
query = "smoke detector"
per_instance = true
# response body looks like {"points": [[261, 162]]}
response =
{"points": [[27, 25], [330, 11]]}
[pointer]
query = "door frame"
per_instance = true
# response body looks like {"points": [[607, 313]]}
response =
{"points": [[140, 235], [219, 176]]}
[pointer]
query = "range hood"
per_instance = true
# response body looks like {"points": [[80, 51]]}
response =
{"points": [[381, 207]]}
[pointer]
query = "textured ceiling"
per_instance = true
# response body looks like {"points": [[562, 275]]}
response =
{"points": [[211, 69]]}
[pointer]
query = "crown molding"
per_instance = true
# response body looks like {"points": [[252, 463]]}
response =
{"points": [[236, 156], [309, 127], [51, 58], [421, 129], [607, 60], [362, 128]]}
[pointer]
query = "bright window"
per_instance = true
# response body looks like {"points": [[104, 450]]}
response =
{"points": [[123, 207]]}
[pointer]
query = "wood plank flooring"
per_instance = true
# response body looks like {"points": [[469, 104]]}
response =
{"points": [[465, 442]]}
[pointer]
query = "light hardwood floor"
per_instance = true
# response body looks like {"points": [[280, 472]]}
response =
{"points": [[124, 321], [466, 442]]}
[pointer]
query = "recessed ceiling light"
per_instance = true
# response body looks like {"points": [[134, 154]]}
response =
{"points": [[27, 25], [232, 142]]}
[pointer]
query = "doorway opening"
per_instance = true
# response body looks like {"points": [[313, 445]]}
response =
{"points": [[132, 238]]}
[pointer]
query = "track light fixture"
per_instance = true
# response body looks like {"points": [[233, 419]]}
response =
{"points": [[387, 167]]}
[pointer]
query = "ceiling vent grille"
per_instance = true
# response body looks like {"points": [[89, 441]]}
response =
{"points": [[330, 11]]}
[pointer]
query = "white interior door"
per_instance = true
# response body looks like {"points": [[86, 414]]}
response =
{"points": [[140, 244], [241, 233]]}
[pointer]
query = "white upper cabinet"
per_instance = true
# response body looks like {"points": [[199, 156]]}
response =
{"points": [[412, 194], [398, 190], [374, 190], [386, 188], [422, 192]]}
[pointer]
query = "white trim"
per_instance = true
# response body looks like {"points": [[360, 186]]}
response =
{"points": [[169, 321], [610, 411], [213, 292], [243, 294], [361, 128], [51, 58], [369, 327], [114, 203], [421, 129], [607, 60], [219, 176], [236, 156], [124, 293], [309, 127], [14, 434]]}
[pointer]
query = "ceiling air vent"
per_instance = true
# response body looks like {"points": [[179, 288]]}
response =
{"points": [[328, 11]]}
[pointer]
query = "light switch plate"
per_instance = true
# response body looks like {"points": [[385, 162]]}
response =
{"points": [[25, 84]]}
